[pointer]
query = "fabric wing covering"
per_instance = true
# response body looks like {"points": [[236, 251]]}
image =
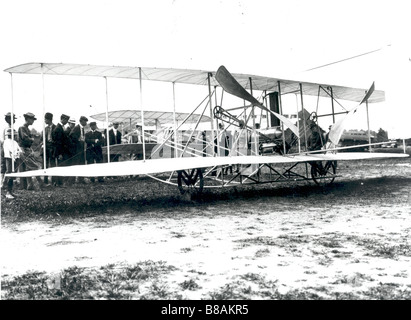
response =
{"points": [[196, 77]]}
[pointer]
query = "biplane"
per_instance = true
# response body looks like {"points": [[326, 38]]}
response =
{"points": [[224, 145]]}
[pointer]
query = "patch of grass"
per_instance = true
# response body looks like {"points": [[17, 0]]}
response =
{"points": [[253, 277], [30, 286], [137, 281], [282, 240], [159, 290], [323, 259], [75, 283], [189, 285], [300, 295], [261, 281], [388, 291], [177, 234], [383, 249], [262, 253], [289, 243], [345, 296], [263, 240], [232, 291], [355, 279], [329, 243]]}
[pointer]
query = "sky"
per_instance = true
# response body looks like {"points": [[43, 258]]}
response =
{"points": [[281, 39]]}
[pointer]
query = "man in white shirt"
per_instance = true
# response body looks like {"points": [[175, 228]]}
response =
{"points": [[12, 153], [3, 137]]}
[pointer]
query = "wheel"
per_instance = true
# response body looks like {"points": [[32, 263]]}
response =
{"points": [[190, 181], [323, 172]]}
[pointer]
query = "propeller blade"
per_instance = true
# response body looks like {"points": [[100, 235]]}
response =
{"points": [[337, 129], [231, 85]]}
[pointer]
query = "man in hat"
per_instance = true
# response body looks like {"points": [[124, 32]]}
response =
{"points": [[70, 125], [29, 159], [77, 136], [62, 145], [50, 128], [114, 138], [95, 141], [7, 117]]}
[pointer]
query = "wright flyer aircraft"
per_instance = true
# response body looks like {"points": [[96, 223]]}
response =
{"points": [[218, 143]]}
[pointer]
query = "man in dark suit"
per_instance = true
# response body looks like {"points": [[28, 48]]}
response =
{"points": [[78, 151], [94, 140], [50, 127], [62, 145], [114, 138]]}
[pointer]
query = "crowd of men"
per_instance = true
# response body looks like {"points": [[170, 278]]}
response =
{"points": [[66, 144]]}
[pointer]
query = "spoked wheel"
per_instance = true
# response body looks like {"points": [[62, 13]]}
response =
{"points": [[323, 172], [190, 181]]}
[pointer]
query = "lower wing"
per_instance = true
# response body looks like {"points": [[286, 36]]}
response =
{"points": [[124, 168]]}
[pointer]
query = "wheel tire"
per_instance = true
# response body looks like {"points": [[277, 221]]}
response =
{"points": [[187, 181], [323, 172]]}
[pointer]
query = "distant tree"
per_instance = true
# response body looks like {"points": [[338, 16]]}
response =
{"points": [[382, 135]]}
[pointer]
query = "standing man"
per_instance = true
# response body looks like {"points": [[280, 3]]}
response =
{"points": [[114, 138], [77, 136], [7, 117], [136, 135], [62, 145], [70, 125], [50, 146], [71, 147], [94, 140], [12, 153], [28, 157]]}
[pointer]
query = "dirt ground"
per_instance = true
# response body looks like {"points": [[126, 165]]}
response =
{"points": [[348, 241]]}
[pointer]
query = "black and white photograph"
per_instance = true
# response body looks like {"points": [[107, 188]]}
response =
{"points": [[181, 151]]}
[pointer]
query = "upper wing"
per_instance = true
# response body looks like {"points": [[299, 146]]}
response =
{"points": [[124, 168], [197, 77]]}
